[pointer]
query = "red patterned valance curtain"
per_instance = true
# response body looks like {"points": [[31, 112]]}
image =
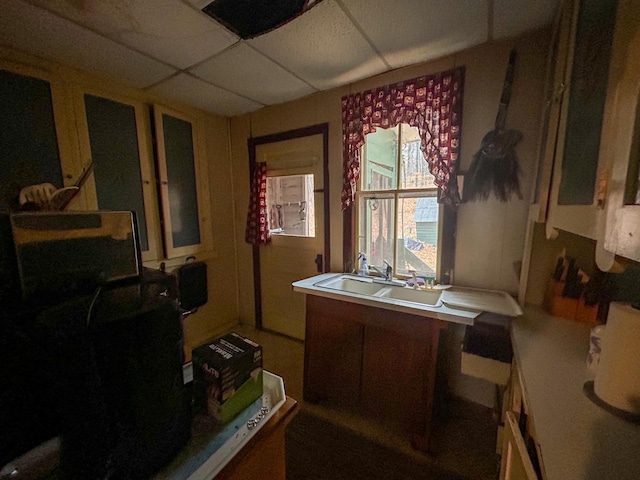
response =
{"points": [[432, 103], [257, 231]]}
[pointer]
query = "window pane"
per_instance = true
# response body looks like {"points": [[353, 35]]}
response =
{"points": [[376, 229], [379, 171], [414, 170], [290, 205], [418, 232], [181, 175]]}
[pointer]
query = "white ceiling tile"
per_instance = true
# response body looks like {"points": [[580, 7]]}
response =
{"points": [[322, 47], [512, 17], [168, 30], [243, 70], [415, 31], [193, 91], [26, 27]]}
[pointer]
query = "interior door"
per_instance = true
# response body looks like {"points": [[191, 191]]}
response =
{"points": [[295, 197]]}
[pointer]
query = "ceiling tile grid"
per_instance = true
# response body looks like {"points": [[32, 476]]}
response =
{"points": [[414, 31], [322, 47], [29, 28], [243, 70], [167, 30], [172, 48], [189, 90]]}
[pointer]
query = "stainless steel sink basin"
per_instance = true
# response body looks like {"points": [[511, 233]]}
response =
{"points": [[352, 285], [424, 297], [379, 293], [381, 290]]}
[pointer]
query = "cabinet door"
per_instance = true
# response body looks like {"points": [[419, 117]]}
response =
{"points": [[184, 203], [622, 137], [554, 90], [115, 135], [573, 205], [389, 373], [333, 352], [515, 462], [33, 127]]}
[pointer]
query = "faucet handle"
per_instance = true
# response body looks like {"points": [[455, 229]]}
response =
{"points": [[388, 271]]}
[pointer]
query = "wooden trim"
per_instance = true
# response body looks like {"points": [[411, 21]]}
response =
{"points": [[448, 252], [252, 143], [326, 197], [348, 240]]}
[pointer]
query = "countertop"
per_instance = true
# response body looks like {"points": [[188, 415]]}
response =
{"points": [[212, 445], [442, 312], [578, 439]]}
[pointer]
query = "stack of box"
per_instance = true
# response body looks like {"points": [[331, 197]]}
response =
{"points": [[227, 376]]}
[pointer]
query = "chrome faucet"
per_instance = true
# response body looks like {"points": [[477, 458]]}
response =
{"points": [[387, 273]]}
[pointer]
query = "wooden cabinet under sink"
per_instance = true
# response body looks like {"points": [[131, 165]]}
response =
{"points": [[375, 362]]}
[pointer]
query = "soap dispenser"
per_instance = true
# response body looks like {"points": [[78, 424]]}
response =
{"points": [[364, 269]]}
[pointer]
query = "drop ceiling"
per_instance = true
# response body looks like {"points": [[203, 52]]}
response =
{"points": [[171, 48]]}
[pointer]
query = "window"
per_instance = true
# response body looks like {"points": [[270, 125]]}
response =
{"points": [[398, 212], [290, 205]]}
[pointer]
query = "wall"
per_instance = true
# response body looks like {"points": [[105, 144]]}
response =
{"points": [[221, 311], [490, 235]]}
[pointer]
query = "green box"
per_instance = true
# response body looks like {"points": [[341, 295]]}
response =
{"points": [[227, 376]]}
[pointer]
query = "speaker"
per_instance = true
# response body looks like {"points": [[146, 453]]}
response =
{"points": [[115, 362], [192, 285]]}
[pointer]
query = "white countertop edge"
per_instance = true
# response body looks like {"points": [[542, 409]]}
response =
{"points": [[578, 439], [274, 396], [442, 312]]}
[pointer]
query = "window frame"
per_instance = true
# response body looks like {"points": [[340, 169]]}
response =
{"points": [[447, 218]]}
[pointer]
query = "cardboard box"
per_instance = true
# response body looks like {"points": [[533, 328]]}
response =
{"points": [[227, 376]]}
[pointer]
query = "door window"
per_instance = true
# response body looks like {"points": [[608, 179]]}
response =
{"points": [[290, 203]]}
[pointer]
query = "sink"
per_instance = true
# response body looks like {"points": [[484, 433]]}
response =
{"points": [[428, 297], [389, 295], [351, 285], [383, 290]]}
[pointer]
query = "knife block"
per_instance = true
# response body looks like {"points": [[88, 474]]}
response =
{"points": [[565, 307]]}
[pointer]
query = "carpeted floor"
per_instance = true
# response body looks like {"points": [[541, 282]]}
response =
{"points": [[320, 450]]}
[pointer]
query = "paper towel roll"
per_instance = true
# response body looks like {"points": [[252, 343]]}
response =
{"points": [[617, 380]]}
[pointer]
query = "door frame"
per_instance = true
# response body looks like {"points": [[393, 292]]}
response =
{"points": [[252, 143]]}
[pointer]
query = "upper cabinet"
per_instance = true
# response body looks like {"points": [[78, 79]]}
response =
{"points": [[184, 194], [621, 136], [54, 129], [114, 134], [34, 126], [572, 162]]}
